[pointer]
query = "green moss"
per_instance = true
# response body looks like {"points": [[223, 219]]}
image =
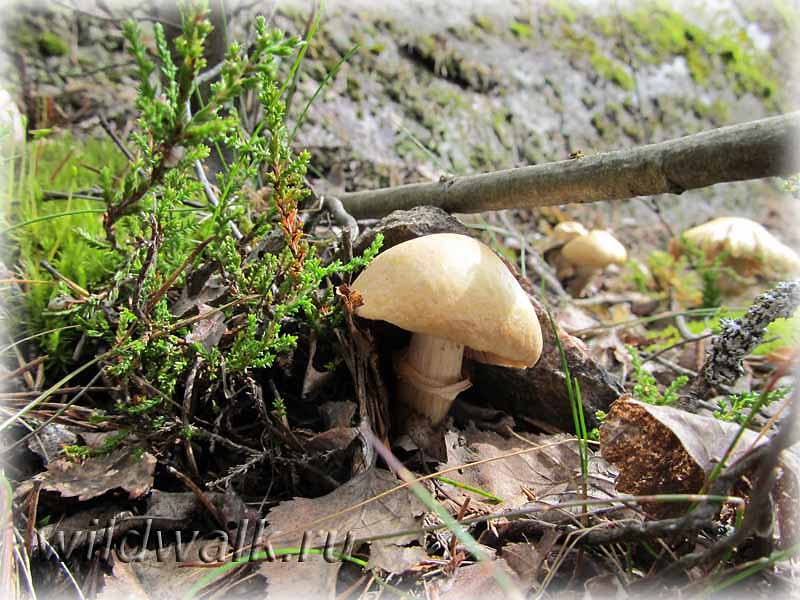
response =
{"points": [[606, 67], [612, 71], [73, 244], [353, 87], [631, 130], [502, 128], [52, 44], [521, 30], [613, 111], [484, 23], [563, 10], [666, 33], [629, 105], [600, 123], [605, 26], [447, 96]]}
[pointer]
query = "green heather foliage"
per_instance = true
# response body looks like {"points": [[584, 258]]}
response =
{"points": [[645, 387], [737, 407], [129, 255]]}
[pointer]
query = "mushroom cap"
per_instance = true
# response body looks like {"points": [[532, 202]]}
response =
{"points": [[749, 246], [453, 287], [595, 250], [568, 230]]}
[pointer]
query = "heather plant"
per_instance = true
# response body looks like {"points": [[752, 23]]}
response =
{"points": [[187, 278]]}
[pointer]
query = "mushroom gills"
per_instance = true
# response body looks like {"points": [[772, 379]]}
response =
{"points": [[429, 375]]}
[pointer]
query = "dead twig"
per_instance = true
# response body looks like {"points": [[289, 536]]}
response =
{"points": [[208, 190], [201, 497], [753, 150], [67, 281], [33, 507], [340, 214], [171, 279], [26, 368], [114, 137], [739, 337]]}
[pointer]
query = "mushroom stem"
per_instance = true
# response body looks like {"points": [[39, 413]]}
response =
{"points": [[583, 275], [429, 374]]}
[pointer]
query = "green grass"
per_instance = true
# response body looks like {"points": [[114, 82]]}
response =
{"points": [[67, 233]]}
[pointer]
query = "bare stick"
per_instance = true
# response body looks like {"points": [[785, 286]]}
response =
{"points": [[752, 150], [342, 217], [207, 189], [115, 138]]}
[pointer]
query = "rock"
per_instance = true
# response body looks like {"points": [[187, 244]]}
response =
{"points": [[403, 225], [540, 392]]}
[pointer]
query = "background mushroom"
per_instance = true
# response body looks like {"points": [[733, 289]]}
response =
{"points": [[451, 291], [568, 230], [748, 247], [588, 254]]}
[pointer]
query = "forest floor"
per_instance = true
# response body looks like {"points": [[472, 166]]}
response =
{"points": [[166, 372]]}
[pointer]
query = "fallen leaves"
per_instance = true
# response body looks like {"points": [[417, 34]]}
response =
{"points": [[533, 467], [664, 450], [124, 468], [346, 511], [475, 581]]}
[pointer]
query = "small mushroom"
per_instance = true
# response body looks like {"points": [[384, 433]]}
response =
{"points": [[562, 233], [453, 293], [568, 230], [588, 254], [748, 247]]}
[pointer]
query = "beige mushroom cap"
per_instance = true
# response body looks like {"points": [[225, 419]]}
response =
{"points": [[749, 246], [454, 287], [595, 250], [568, 230]]}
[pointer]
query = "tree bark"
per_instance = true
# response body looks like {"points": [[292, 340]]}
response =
{"points": [[752, 150]]}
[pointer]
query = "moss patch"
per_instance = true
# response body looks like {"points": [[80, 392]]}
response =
{"points": [[666, 33], [51, 44]]}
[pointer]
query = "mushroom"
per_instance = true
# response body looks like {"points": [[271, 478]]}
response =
{"points": [[568, 230], [561, 234], [591, 253], [452, 293], [748, 247]]}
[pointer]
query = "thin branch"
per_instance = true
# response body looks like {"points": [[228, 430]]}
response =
{"points": [[752, 150], [114, 137], [340, 215], [207, 189]]}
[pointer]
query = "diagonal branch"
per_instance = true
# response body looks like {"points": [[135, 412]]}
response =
{"points": [[752, 150]]}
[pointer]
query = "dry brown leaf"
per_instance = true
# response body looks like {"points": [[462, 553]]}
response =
{"points": [[548, 474], [527, 559], [665, 450], [50, 441], [121, 469], [200, 289], [395, 559], [398, 511], [122, 583], [474, 582], [160, 575], [313, 578], [209, 329]]}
